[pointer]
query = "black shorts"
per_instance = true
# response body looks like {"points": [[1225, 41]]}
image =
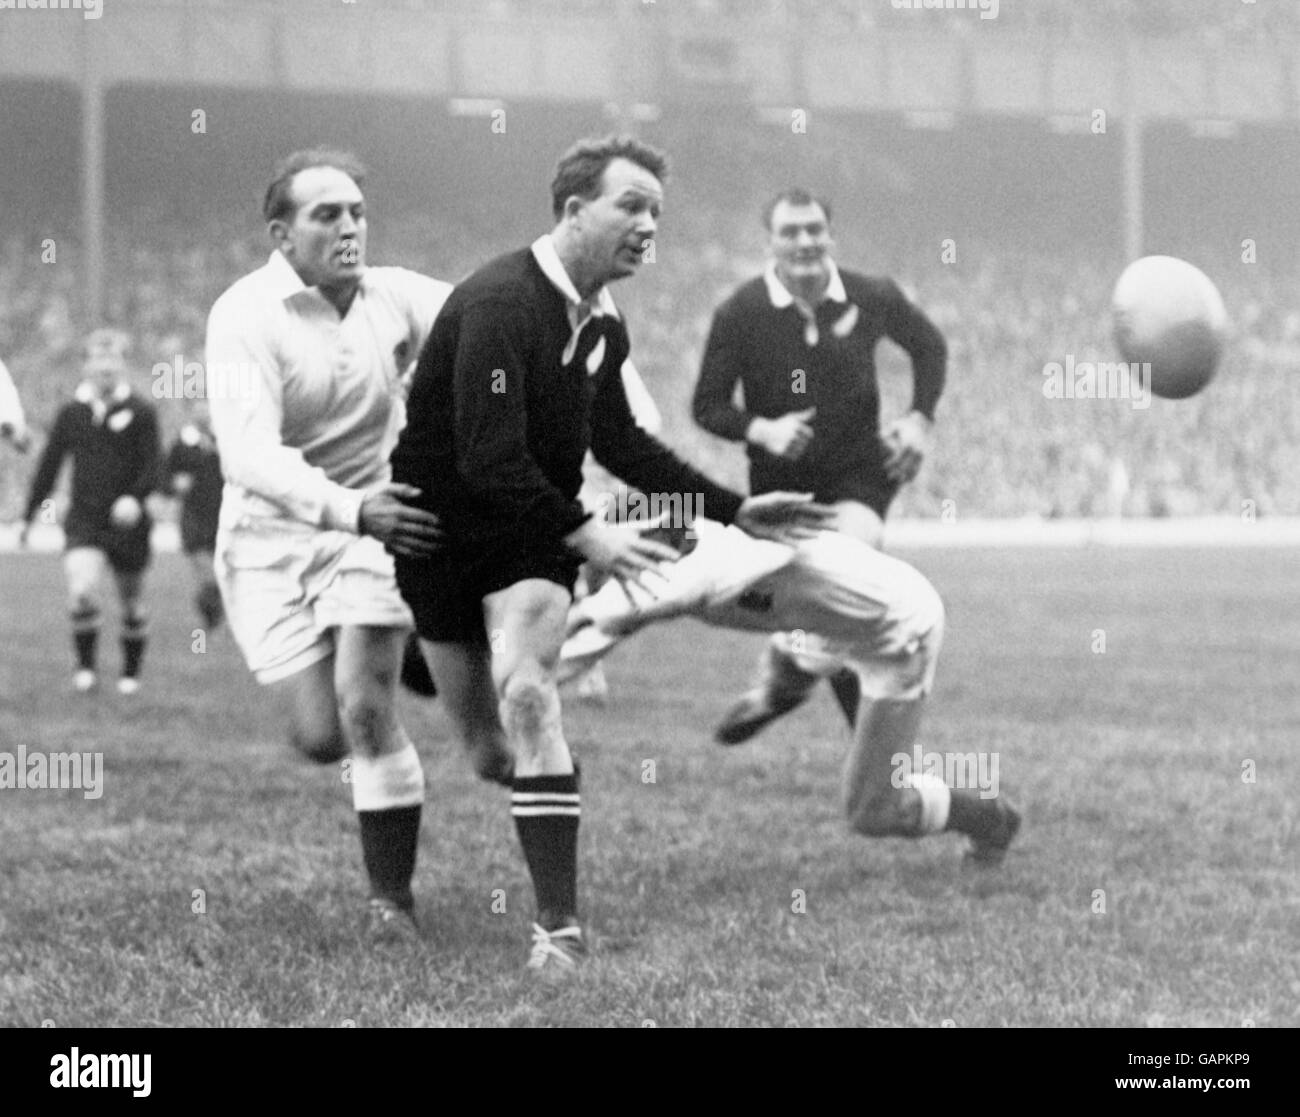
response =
{"points": [[876, 493], [446, 593], [863, 480], [127, 549]]}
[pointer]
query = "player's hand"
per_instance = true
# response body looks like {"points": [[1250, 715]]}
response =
{"points": [[126, 512], [621, 550], [907, 441], [786, 437], [784, 517], [402, 528]]}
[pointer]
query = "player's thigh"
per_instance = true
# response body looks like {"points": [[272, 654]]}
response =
{"points": [[308, 698], [83, 569], [856, 519], [525, 624], [463, 674]]}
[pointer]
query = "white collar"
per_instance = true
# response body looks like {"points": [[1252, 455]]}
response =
{"points": [[282, 282], [781, 296], [548, 259], [86, 392]]}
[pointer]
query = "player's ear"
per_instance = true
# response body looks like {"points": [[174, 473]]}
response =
{"points": [[572, 207], [279, 230]]}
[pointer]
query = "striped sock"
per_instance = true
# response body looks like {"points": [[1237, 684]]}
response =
{"points": [[546, 811]]}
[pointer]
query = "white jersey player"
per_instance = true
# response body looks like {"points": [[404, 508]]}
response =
{"points": [[848, 605], [305, 364]]}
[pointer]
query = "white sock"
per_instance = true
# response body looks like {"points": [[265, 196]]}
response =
{"points": [[936, 798], [383, 782]]}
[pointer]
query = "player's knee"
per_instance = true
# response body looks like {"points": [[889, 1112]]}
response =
{"points": [[530, 707], [367, 720], [83, 604], [319, 745]]}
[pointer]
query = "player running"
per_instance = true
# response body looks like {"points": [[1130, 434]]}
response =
{"points": [[192, 472], [111, 435], [800, 340], [521, 376], [308, 506]]}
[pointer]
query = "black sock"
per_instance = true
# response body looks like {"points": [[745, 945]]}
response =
{"points": [[546, 812], [969, 814], [133, 645], [389, 840], [85, 636], [848, 693]]}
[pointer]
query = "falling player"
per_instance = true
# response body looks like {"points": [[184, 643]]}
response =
{"points": [[800, 340], [866, 612], [192, 472], [520, 377], [308, 506], [111, 435]]}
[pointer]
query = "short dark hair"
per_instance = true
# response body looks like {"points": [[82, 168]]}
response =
{"points": [[795, 196], [582, 167], [279, 202]]}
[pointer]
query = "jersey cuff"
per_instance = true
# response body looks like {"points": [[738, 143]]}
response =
{"points": [[343, 511]]}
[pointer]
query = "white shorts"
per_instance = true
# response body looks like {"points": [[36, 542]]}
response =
{"points": [[843, 603], [287, 586]]}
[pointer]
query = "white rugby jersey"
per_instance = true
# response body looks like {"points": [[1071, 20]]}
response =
{"points": [[11, 408], [306, 406]]}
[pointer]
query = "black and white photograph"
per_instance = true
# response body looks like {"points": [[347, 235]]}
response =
{"points": [[650, 514]]}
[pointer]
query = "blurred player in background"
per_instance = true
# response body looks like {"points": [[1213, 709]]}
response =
{"points": [[800, 340], [192, 473], [308, 506], [13, 423], [111, 435], [521, 376]]}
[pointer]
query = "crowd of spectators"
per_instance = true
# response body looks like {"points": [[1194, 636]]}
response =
{"points": [[1002, 449]]}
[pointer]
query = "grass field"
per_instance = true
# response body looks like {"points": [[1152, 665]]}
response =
{"points": [[1128, 763]]}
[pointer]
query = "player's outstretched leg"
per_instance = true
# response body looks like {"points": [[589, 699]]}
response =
{"points": [[527, 623], [83, 567], [781, 685], [387, 778], [885, 794]]}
